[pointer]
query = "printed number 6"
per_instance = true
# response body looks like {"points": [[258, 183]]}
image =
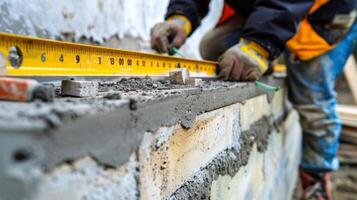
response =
{"points": [[43, 57]]}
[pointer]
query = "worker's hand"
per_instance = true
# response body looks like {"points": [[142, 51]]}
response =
{"points": [[169, 34], [245, 61]]}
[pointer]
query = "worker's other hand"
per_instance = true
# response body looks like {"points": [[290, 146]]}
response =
{"points": [[169, 34], [245, 61]]}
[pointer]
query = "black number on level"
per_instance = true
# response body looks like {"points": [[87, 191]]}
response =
{"points": [[43, 57], [121, 61], [137, 63], [130, 62], [61, 58], [99, 60], [143, 63], [78, 58], [112, 61]]}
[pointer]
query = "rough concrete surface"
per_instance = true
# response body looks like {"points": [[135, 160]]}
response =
{"points": [[21, 160], [87, 179]]}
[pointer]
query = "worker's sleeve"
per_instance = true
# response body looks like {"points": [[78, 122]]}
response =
{"points": [[194, 10], [273, 22]]}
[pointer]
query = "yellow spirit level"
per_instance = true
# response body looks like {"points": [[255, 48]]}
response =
{"points": [[35, 57]]}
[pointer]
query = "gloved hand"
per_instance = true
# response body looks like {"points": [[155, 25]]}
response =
{"points": [[169, 34], [245, 61]]}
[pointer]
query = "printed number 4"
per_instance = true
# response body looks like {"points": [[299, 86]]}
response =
{"points": [[61, 58]]}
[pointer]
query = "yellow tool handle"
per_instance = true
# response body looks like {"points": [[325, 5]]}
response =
{"points": [[28, 56]]}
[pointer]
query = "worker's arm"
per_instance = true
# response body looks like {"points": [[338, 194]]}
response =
{"points": [[273, 22], [267, 29], [182, 18]]}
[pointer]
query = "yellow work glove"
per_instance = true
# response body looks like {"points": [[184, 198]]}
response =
{"points": [[171, 33], [245, 61]]}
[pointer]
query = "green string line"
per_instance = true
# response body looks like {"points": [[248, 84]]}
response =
{"points": [[178, 52], [267, 87]]}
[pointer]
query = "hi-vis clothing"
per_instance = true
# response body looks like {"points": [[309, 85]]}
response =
{"points": [[327, 24]]}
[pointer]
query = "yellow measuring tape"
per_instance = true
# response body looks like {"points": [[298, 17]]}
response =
{"points": [[28, 56]]}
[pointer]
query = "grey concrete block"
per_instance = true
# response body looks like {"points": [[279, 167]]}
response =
{"points": [[79, 88], [179, 76], [195, 82]]}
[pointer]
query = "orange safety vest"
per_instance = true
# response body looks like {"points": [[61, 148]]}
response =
{"points": [[307, 43]]}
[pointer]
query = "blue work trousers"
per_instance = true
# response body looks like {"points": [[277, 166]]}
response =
{"points": [[311, 90]]}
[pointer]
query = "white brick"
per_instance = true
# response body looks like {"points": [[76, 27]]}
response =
{"points": [[79, 88]]}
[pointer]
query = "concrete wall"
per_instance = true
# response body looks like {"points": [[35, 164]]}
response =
{"points": [[240, 151]]}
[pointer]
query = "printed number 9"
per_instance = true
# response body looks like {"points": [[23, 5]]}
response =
{"points": [[78, 59]]}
